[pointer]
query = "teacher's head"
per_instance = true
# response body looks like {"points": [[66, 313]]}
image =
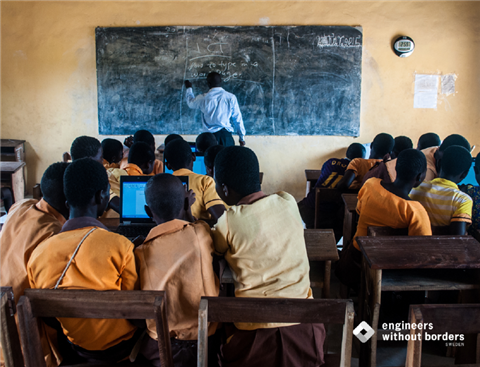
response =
{"points": [[214, 80]]}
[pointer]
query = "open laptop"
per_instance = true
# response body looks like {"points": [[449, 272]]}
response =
{"points": [[198, 165], [134, 220]]}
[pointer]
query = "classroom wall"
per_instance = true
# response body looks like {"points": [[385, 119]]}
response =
{"points": [[49, 94]]}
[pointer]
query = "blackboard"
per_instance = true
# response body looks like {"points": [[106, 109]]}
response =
{"points": [[302, 80]]}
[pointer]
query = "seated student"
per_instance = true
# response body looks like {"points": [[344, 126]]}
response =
{"points": [[387, 205], [205, 141], [179, 158], [386, 170], [428, 140], [209, 158], [474, 193], [446, 205], [401, 143], [172, 137], [176, 257], [141, 160], [28, 224], [103, 261], [112, 153], [86, 146], [332, 172], [145, 136], [356, 170], [261, 237]]}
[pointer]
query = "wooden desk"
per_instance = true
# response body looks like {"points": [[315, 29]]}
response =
{"points": [[321, 251], [312, 176], [13, 176], [12, 150], [402, 263], [350, 219]]}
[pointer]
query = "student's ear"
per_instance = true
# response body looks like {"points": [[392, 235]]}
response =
{"points": [[148, 211], [420, 178], [225, 190], [209, 171], [464, 174], [194, 157], [168, 166]]}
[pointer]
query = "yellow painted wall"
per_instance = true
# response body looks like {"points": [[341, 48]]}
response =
{"points": [[49, 81]]}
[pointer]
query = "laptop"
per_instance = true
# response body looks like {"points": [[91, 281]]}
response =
{"points": [[134, 220], [198, 165]]}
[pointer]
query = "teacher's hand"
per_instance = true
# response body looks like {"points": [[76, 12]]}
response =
{"points": [[188, 84], [242, 143]]}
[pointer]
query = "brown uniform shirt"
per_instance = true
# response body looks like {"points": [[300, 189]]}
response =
{"points": [[177, 257]]}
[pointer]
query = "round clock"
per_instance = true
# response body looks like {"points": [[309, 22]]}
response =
{"points": [[403, 46]]}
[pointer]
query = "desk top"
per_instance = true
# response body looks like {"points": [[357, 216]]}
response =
{"points": [[11, 167], [11, 142], [350, 201], [421, 252]]}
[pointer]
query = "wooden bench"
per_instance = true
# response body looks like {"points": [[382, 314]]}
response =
{"points": [[311, 176], [219, 309], [321, 251], [12, 351], [452, 319], [412, 263], [38, 303], [389, 231]]}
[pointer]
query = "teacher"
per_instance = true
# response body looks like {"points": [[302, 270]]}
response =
{"points": [[218, 107]]}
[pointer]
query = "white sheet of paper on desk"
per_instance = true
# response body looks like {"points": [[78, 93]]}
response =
{"points": [[426, 90]]}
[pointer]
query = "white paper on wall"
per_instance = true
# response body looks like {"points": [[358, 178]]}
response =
{"points": [[448, 84], [426, 89]]}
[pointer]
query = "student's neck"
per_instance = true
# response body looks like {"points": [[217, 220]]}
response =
{"points": [[83, 212], [399, 188], [63, 212]]}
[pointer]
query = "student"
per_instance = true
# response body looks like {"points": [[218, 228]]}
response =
{"points": [[176, 257], [474, 193], [141, 160], [172, 137], [104, 261], [145, 136], [401, 143], [179, 158], [332, 172], [386, 170], [112, 153], [205, 141], [209, 158], [262, 240], [387, 205], [356, 170], [86, 146], [446, 205], [428, 140], [28, 224]]}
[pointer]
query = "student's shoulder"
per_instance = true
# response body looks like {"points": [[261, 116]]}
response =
{"points": [[114, 240]]}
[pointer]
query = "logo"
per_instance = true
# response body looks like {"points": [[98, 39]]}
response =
{"points": [[363, 332]]}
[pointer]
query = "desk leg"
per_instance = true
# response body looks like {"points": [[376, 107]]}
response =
{"points": [[18, 185], [347, 228], [326, 279], [376, 301]]}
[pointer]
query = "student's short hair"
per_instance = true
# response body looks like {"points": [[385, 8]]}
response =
{"points": [[178, 154], [172, 137], [144, 136], [454, 139], [205, 141], [402, 143], [210, 155], [84, 146], [83, 178], [356, 150], [456, 160], [165, 195], [238, 168], [52, 182], [410, 163], [429, 140], [111, 149], [383, 143], [140, 153]]}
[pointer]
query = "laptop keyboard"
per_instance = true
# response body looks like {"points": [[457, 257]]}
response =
{"points": [[132, 231]]}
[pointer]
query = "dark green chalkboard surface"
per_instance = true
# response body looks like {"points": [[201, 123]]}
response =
{"points": [[288, 80]]}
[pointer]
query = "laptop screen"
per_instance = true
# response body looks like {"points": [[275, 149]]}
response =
{"points": [[133, 200]]}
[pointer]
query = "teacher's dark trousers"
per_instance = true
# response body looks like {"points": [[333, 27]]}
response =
{"points": [[224, 138]]}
